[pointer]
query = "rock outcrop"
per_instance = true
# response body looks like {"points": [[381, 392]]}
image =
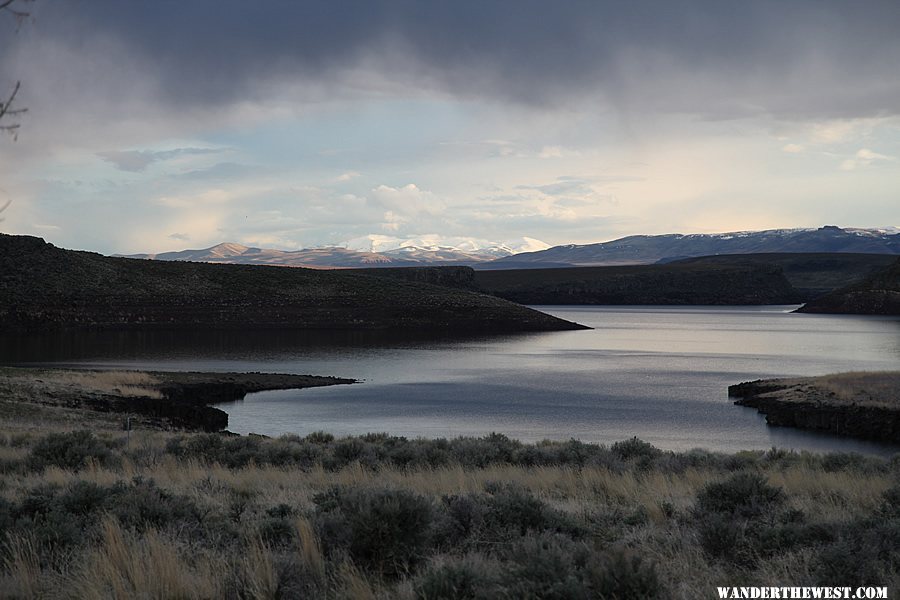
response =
{"points": [[861, 405]]}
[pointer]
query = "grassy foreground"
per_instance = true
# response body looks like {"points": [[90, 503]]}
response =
{"points": [[169, 515]]}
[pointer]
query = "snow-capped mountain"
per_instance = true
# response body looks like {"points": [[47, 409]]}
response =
{"points": [[471, 247], [642, 249], [368, 251]]}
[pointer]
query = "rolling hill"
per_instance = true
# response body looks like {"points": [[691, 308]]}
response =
{"points": [[43, 287], [646, 249]]}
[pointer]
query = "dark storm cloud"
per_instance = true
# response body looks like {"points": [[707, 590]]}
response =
{"points": [[718, 59]]}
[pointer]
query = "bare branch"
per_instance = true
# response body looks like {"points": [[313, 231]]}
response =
{"points": [[6, 110], [20, 15]]}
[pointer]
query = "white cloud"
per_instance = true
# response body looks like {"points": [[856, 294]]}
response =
{"points": [[407, 200], [864, 157], [550, 152], [792, 148], [348, 176]]}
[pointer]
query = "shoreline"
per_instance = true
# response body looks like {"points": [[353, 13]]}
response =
{"points": [[155, 399], [860, 405]]}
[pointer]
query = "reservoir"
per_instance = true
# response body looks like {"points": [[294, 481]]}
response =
{"points": [[658, 373]]}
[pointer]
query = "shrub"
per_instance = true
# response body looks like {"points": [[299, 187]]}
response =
{"points": [[481, 452], [141, 505], [60, 518], [319, 437], [847, 562], [890, 505], [743, 495], [514, 509], [723, 537], [622, 574], [208, 447], [462, 518], [277, 531], [635, 449], [469, 578], [388, 530], [69, 450], [547, 566]]}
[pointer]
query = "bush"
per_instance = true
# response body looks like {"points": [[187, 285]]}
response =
{"points": [[723, 537], [514, 509], [141, 505], [69, 450], [622, 574], [635, 449], [462, 517], [469, 578], [208, 447], [547, 566], [890, 505], [745, 495], [319, 437], [388, 530]]}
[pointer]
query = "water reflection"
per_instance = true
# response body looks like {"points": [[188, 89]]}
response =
{"points": [[660, 373]]}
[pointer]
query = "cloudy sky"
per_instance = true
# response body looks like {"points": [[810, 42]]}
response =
{"points": [[162, 125]]}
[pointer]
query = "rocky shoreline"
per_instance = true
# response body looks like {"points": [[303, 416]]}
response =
{"points": [[860, 405], [158, 400]]}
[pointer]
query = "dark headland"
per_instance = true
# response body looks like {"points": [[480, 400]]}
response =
{"points": [[43, 287], [863, 405], [877, 294], [728, 279]]}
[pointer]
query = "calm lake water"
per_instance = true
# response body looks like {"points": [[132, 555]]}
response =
{"points": [[660, 373]]}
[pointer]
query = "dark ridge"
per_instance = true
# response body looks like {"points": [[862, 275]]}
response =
{"points": [[812, 274], [878, 294], [43, 287], [677, 284]]}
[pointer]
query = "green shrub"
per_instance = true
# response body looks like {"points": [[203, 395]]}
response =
{"points": [[208, 447], [623, 574], [847, 562], [388, 530], [319, 437], [461, 519], [141, 505], [277, 531], [745, 495], [890, 504], [469, 578], [635, 449], [69, 450], [512, 509], [546, 566], [723, 537]]}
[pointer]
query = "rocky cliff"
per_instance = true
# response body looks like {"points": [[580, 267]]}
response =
{"points": [[862, 405]]}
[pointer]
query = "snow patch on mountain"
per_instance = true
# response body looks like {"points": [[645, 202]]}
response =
{"points": [[391, 245]]}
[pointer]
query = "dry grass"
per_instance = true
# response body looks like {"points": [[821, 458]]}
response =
{"points": [[146, 566], [864, 388], [650, 509], [120, 383], [882, 388]]}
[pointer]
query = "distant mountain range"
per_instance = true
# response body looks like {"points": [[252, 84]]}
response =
{"points": [[646, 249], [529, 253], [368, 251]]}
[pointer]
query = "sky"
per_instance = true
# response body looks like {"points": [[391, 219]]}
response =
{"points": [[158, 126]]}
